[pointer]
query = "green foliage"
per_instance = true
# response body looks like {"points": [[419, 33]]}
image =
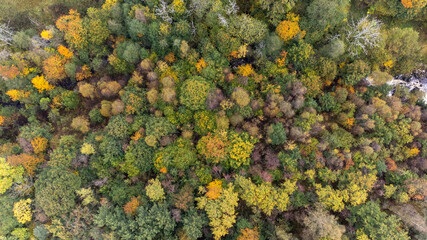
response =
{"points": [[193, 224], [55, 189], [9, 175], [7, 222], [138, 159], [150, 222], [300, 53], [248, 29], [117, 126], [194, 92], [375, 223], [276, 133], [355, 72]]}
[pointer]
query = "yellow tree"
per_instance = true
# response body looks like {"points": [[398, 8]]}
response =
{"points": [[22, 210], [221, 211]]}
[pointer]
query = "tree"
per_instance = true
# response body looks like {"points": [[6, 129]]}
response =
{"points": [[373, 222], [194, 92], [193, 224], [240, 149], [22, 210], [131, 206], [81, 124], [319, 224], [9, 175], [221, 211], [276, 134], [363, 35], [248, 29], [154, 190], [265, 196], [275, 10], [7, 222], [287, 30], [55, 190], [323, 16], [404, 46], [213, 147], [28, 161], [72, 27], [53, 69]]}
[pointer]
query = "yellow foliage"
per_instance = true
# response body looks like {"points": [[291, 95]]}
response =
{"points": [[245, 70], [2, 119], [22, 210], [41, 84], [72, 27], [388, 64], [214, 189], [178, 6], [53, 67], [201, 64], [243, 50], [154, 190], [87, 149], [16, 94], [265, 196], [413, 152], [39, 144], [46, 34], [287, 30], [221, 211], [108, 4]]}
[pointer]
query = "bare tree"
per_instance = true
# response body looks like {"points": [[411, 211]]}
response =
{"points": [[363, 34], [232, 7], [6, 35], [163, 11]]}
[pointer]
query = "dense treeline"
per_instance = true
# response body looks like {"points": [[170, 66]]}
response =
{"points": [[212, 119]]}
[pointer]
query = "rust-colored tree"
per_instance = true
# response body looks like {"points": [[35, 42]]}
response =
{"points": [[28, 161]]}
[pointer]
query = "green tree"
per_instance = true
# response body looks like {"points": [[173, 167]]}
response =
{"points": [[55, 190], [375, 223]]}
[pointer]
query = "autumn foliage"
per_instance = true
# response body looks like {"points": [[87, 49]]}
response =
{"points": [[72, 27], [130, 207], [28, 161]]}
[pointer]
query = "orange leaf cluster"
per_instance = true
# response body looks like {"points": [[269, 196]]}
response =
{"points": [[248, 234], [391, 164], [214, 189], [9, 72], [84, 74], [170, 58], [28, 161], [39, 144], [2, 119], [65, 52], [53, 67], [407, 3], [282, 60], [130, 207]]}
